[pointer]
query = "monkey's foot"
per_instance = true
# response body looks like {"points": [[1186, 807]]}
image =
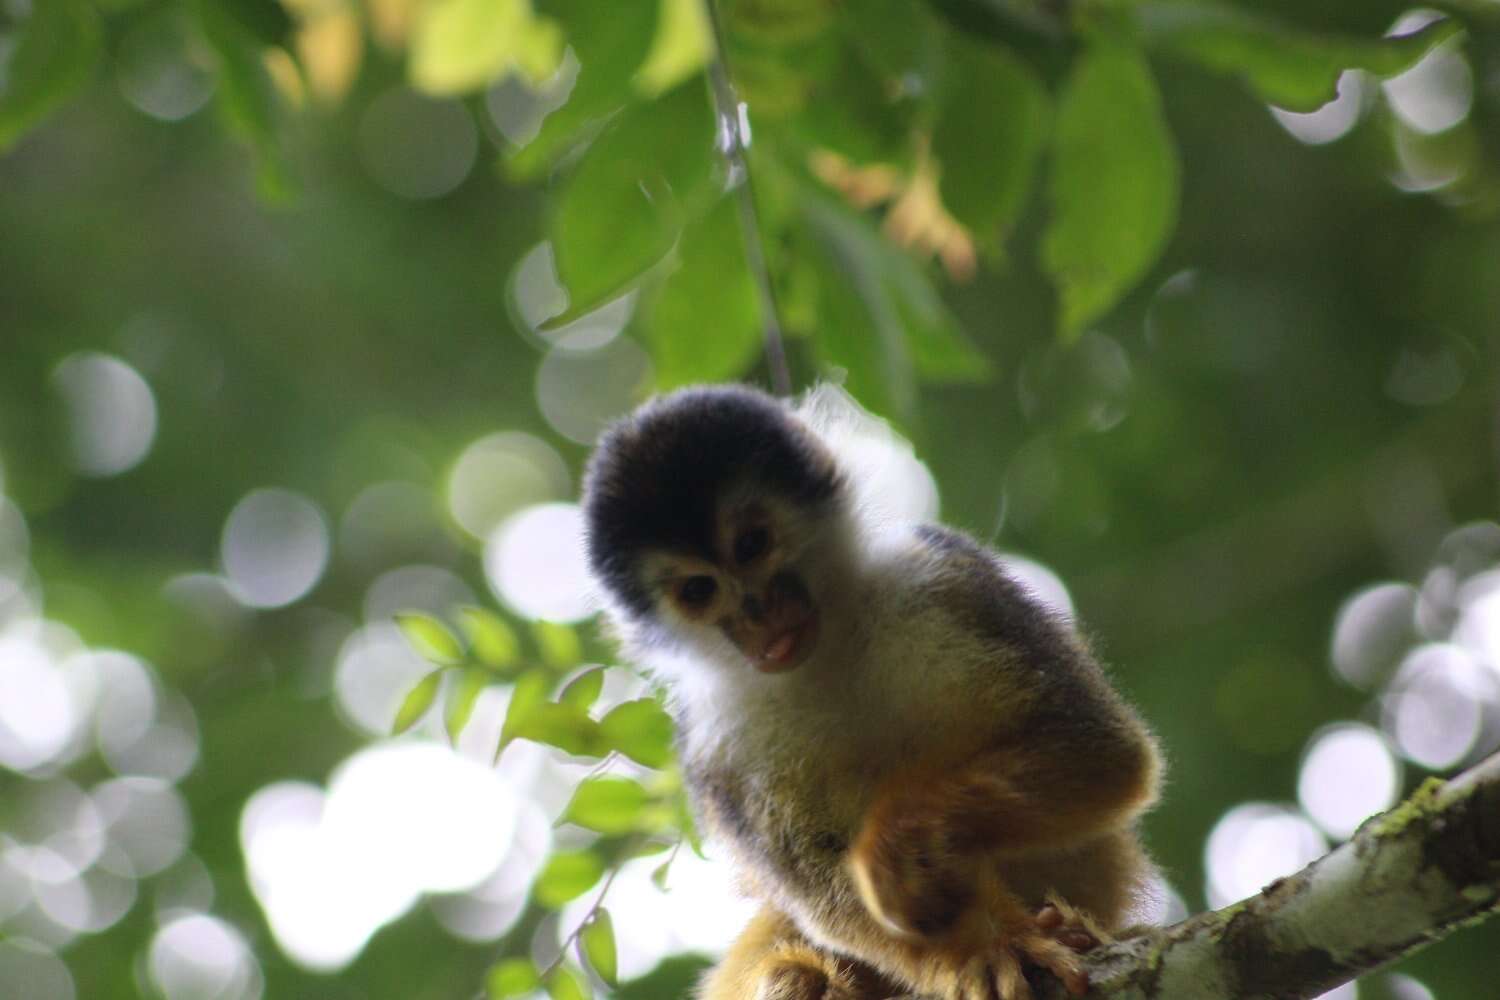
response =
{"points": [[792, 980], [997, 973], [1069, 925]]}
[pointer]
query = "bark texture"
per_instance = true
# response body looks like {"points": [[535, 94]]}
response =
{"points": [[1407, 878]]}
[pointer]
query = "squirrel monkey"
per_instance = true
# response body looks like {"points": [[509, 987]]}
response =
{"points": [[919, 770]]}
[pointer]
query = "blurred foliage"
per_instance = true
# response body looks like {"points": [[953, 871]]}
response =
{"points": [[1216, 378]]}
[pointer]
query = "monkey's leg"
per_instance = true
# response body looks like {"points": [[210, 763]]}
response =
{"points": [[924, 862], [771, 960]]}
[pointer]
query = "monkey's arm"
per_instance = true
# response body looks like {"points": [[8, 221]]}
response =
{"points": [[1069, 760]]}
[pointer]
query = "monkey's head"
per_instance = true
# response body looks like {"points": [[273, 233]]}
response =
{"points": [[713, 517]]}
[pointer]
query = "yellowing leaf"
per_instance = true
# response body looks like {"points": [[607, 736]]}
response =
{"points": [[330, 46], [462, 45], [683, 42]]}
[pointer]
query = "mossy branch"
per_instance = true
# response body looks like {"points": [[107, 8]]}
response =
{"points": [[1406, 879]]}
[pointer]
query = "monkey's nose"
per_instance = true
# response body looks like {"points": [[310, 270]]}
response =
{"points": [[753, 607]]}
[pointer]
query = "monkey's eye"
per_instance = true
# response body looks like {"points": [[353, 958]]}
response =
{"points": [[696, 591], [751, 545]]}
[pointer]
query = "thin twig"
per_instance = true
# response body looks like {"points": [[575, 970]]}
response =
{"points": [[734, 140], [568, 942]]}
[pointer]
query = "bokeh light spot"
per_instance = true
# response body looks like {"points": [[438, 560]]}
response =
{"points": [[1372, 632], [1254, 844], [274, 547], [376, 667], [200, 957], [42, 705], [415, 588], [499, 474], [33, 973], [417, 147], [398, 820], [1333, 120], [147, 823], [535, 563], [111, 413], [581, 391], [1436, 93], [1348, 775], [1435, 706], [159, 71]]}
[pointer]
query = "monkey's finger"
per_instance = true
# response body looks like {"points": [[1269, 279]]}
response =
{"points": [[1079, 940], [1009, 982], [1057, 959], [1049, 918]]}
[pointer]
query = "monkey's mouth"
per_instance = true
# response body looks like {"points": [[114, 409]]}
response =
{"points": [[788, 647]]}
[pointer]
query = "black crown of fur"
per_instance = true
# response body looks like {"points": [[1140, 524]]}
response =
{"points": [[657, 475]]}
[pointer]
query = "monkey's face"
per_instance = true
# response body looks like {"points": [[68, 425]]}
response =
{"points": [[753, 592]]}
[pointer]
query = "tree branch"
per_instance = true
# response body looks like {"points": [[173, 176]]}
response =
{"points": [[1406, 879]]}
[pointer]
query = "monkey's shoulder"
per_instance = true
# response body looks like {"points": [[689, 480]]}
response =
{"points": [[970, 587]]}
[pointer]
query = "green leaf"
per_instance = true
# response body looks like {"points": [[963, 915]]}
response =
{"points": [[567, 876], [608, 805], [55, 54], [882, 320], [583, 690], [659, 875], [432, 640], [703, 324], [513, 977], [611, 41], [491, 638], [565, 727], [558, 643], [462, 45], [682, 45], [461, 699], [264, 20], [1286, 66], [566, 984], [596, 944], [246, 98], [849, 108], [641, 730], [526, 697], [621, 209], [417, 701], [987, 150], [1114, 184]]}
